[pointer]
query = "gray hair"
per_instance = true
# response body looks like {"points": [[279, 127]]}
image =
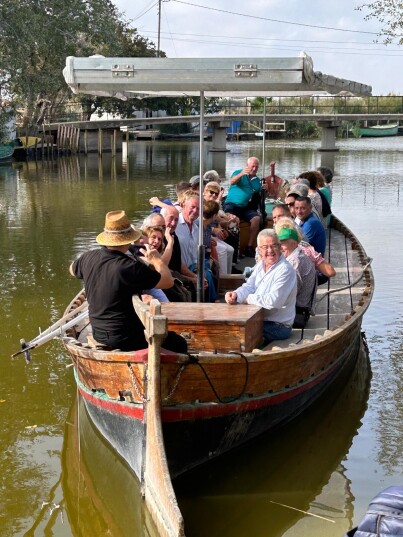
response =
{"points": [[267, 233], [149, 221], [300, 189], [167, 210], [212, 175], [253, 158]]}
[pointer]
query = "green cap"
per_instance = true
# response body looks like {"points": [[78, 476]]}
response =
{"points": [[286, 233]]}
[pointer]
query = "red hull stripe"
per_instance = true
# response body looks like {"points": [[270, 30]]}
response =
{"points": [[208, 410], [117, 407], [202, 411]]}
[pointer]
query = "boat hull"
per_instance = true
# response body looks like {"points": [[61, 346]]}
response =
{"points": [[379, 131], [120, 423], [196, 433], [192, 442]]}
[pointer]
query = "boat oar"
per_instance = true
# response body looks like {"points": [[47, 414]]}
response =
{"points": [[65, 318], [48, 335]]}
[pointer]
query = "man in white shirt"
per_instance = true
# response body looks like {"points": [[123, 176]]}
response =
{"points": [[273, 286]]}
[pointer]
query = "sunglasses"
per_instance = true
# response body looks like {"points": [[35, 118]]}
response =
{"points": [[291, 204], [213, 192]]}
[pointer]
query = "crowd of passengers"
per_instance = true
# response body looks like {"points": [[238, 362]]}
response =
{"points": [[160, 260]]}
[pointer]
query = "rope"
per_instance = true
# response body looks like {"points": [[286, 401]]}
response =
{"points": [[195, 360]]}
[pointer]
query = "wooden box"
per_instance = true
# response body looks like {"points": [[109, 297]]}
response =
{"points": [[216, 327]]}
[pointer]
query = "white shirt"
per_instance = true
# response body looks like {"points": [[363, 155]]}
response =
{"points": [[274, 290], [189, 240]]}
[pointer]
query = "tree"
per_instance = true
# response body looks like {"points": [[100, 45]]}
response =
{"points": [[390, 14], [36, 36]]}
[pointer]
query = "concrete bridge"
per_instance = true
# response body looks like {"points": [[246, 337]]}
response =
{"points": [[219, 123]]}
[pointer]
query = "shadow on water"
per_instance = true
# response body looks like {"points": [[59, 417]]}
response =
{"points": [[102, 497], [300, 467]]}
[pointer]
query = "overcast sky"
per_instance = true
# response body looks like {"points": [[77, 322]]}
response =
{"points": [[265, 28]]}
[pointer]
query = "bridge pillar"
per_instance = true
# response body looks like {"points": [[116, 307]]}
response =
{"points": [[328, 135], [219, 135]]}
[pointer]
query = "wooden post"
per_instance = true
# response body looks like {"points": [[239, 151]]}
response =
{"points": [[100, 142], [114, 143], [156, 483], [86, 142], [77, 144]]}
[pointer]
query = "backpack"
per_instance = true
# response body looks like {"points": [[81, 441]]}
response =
{"points": [[326, 210], [384, 517]]}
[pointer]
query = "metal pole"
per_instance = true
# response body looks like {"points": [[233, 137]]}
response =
{"points": [[264, 137], [200, 252], [159, 28]]}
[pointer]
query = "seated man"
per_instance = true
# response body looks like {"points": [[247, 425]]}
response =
{"points": [[273, 286], [311, 226], [243, 185], [279, 211], [111, 278], [306, 275]]}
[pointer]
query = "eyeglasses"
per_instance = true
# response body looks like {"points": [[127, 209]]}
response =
{"points": [[291, 204], [267, 247], [213, 192]]}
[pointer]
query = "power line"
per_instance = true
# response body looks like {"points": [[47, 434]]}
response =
{"points": [[282, 40], [275, 20], [294, 48], [145, 10]]}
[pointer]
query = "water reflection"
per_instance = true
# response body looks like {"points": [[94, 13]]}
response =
{"points": [[101, 495], [301, 467]]}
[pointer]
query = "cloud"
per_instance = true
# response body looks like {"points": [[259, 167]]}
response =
{"points": [[190, 31]]}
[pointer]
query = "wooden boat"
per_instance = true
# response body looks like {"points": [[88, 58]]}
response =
{"points": [[6, 152], [378, 131], [224, 392]]}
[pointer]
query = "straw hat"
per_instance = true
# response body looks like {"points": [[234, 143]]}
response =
{"points": [[117, 230]]}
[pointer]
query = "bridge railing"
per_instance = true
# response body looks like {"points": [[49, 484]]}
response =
{"points": [[318, 104]]}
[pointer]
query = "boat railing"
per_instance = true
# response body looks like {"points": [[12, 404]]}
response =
{"points": [[159, 495]]}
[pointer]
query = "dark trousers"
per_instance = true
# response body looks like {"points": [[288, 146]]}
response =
{"points": [[134, 342]]}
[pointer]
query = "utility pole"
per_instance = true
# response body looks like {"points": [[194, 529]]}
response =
{"points": [[159, 28]]}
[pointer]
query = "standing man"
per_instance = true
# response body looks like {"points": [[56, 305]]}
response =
{"points": [[111, 277], [243, 185], [273, 286], [311, 226]]}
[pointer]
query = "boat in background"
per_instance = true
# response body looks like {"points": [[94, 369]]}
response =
{"points": [[273, 130], [6, 152], [378, 131]]}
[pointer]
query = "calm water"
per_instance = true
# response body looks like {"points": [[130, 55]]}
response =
{"points": [[331, 462]]}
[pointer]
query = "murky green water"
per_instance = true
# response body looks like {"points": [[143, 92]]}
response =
{"points": [[331, 462]]}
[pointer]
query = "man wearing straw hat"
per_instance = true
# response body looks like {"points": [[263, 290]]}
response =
{"points": [[111, 277]]}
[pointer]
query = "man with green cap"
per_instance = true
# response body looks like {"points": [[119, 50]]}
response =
{"points": [[306, 275]]}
